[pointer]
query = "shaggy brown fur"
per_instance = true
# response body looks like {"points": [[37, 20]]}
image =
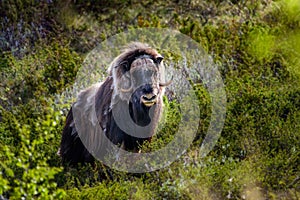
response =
{"points": [[135, 78]]}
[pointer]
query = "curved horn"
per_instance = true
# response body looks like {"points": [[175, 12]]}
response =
{"points": [[167, 83], [126, 90]]}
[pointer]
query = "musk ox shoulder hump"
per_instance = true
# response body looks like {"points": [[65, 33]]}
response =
{"points": [[86, 101]]}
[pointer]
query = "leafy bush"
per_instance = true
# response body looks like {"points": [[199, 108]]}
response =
{"points": [[30, 127], [25, 168], [45, 72]]}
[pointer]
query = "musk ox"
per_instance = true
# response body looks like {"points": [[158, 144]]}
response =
{"points": [[136, 80]]}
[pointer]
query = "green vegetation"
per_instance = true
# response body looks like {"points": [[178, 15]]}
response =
{"points": [[255, 44]]}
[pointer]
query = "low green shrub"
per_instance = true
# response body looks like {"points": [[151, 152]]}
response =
{"points": [[25, 168]]}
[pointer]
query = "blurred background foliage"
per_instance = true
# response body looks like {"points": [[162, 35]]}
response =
{"points": [[255, 44]]}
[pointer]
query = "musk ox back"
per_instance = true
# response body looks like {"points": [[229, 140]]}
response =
{"points": [[134, 89]]}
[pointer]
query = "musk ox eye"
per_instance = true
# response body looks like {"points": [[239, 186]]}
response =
{"points": [[125, 66]]}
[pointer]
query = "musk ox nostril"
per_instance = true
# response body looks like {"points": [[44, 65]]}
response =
{"points": [[149, 97]]}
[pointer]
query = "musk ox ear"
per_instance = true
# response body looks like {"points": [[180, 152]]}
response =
{"points": [[159, 59]]}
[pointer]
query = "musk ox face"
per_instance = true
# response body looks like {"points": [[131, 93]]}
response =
{"points": [[139, 80], [138, 76], [138, 70], [144, 86], [143, 79]]}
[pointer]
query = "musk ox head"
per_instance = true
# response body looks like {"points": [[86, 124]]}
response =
{"points": [[138, 75], [138, 87]]}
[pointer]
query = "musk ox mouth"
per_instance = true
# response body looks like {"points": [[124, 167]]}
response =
{"points": [[149, 99], [149, 103]]}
